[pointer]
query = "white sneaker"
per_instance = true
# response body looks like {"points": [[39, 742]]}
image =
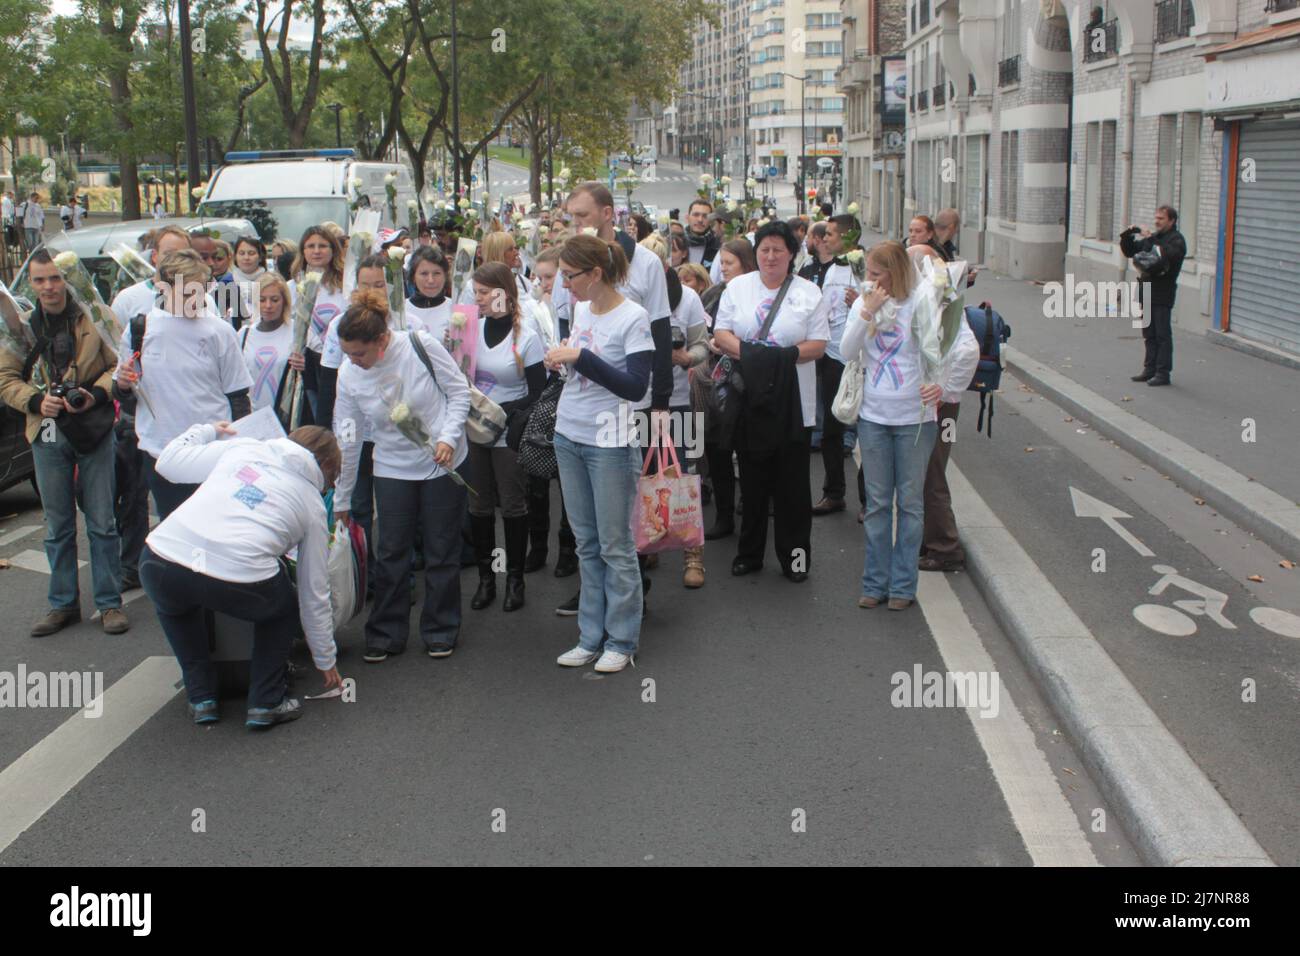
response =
{"points": [[611, 662], [576, 657]]}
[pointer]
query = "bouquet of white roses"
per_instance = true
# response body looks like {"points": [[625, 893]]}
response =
{"points": [[413, 429], [136, 266], [938, 316], [291, 403], [76, 276], [390, 188], [15, 335], [396, 280]]}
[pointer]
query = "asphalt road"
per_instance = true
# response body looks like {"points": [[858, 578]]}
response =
{"points": [[769, 698]]}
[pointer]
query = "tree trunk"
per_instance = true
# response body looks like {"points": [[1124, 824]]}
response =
{"points": [[536, 152]]}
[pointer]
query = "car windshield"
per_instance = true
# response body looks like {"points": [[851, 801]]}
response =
{"points": [[280, 218]]}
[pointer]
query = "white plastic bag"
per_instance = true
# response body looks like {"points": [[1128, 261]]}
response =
{"points": [[342, 575]]}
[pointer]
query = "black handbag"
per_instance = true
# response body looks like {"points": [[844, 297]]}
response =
{"points": [[536, 444], [730, 379]]}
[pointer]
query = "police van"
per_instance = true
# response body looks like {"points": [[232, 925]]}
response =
{"points": [[282, 192]]}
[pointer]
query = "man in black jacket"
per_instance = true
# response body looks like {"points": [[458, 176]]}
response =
{"points": [[1159, 258], [702, 244]]}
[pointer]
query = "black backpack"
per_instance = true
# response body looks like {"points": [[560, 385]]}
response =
{"points": [[990, 332]]}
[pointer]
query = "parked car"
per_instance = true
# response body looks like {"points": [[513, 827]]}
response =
{"points": [[16, 465], [93, 245]]}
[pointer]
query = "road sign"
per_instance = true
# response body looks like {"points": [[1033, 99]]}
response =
{"points": [[825, 162], [773, 171]]}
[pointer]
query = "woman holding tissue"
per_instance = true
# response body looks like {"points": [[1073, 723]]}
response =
{"points": [[223, 549], [407, 389], [184, 365], [896, 423]]}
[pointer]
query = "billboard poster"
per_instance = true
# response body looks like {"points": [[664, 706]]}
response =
{"points": [[893, 90]]}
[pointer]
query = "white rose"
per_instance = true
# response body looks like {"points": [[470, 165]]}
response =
{"points": [[751, 183], [66, 260], [854, 256], [399, 413], [486, 196], [390, 179], [198, 190], [543, 230], [589, 231], [357, 184], [412, 204], [457, 320], [663, 218], [472, 213], [706, 179], [564, 173], [853, 209], [731, 206], [725, 180], [463, 203], [396, 253]]}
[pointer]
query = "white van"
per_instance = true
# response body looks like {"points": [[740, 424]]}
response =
{"points": [[282, 192]]}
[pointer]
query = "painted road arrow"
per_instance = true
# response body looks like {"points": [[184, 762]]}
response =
{"points": [[1086, 506]]}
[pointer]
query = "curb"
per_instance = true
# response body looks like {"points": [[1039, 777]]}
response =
{"points": [[1255, 507], [1168, 806]]}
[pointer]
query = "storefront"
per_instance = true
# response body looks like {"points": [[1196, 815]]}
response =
{"points": [[1253, 91]]}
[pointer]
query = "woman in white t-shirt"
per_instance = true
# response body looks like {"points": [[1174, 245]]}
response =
{"points": [[608, 355], [772, 440], [428, 309], [386, 374], [508, 369], [267, 346], [896, 424], [319, 251], [187, 370]]}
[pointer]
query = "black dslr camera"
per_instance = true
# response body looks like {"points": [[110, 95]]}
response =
{"points": [[71, 393]]}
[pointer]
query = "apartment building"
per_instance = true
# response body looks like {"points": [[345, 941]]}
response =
{"points": [[706, 122], [1051, 125], [795, 110], [875, 109]]}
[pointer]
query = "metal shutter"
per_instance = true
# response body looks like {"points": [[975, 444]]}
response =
{"points": [[1266, 231]]}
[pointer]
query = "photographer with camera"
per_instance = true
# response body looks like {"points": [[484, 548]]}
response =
{"points": [[63, 388], [1158, 257]]}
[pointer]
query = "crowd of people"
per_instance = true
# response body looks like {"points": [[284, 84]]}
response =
{"points": [[743, 325]]}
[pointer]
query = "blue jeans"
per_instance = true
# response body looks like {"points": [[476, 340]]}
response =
{"points": [[598, 485], [95, 490], [893, 464]]}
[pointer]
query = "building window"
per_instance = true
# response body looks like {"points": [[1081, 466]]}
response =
{"points": [[1166, 160], [1008, 72], [1011, 30], [1092, 181], [1101, 36], [1010, 174], [973, 183], [1174, 19], [1189, 186]]}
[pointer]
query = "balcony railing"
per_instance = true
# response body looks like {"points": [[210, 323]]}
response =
{"points": [[940, 95], [1009, 71], [1174, 19], [1108, 47], [922, 100], [1281, 6]]}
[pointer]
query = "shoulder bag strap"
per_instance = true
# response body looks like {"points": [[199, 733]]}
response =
{"points": [[776, 305], [424, 357]]}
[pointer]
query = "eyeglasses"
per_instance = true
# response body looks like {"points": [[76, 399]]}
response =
{"points": [[570, 276]]}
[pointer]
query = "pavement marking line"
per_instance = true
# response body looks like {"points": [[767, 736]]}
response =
{"points": [[18, 533], [1170, 809], [35, 561], [1044, 818], [42, 776]]}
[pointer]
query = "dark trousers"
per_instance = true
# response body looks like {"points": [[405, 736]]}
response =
{"points": [[131, 508], [363, 497], [182, 596], [723, 477], [940, 537], [1158, 336], [437, 506], [781, 477], [829, 373], [167, 496], [539, 517]]}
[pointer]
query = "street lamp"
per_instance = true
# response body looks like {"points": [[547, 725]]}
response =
{"points": [[803, 139], [337, 108], [191, 111]]}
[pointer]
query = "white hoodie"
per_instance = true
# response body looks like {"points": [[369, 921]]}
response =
{"points": [[258, 500]]}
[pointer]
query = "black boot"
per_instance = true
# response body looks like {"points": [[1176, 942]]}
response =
{"points": [[537, 551], [484, 531], [516, 544]]}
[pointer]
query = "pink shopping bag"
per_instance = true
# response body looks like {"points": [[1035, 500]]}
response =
{"points": [[667, 515]]}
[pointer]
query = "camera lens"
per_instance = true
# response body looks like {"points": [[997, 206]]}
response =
{"points": [[76, 399]]}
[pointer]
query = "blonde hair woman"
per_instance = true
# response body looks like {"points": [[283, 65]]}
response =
{"points": [[320, 251], [896, 422], [186, 368], [267, 344]]}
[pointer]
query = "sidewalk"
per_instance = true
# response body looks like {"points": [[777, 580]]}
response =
{"points": [[1214, 388]]}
